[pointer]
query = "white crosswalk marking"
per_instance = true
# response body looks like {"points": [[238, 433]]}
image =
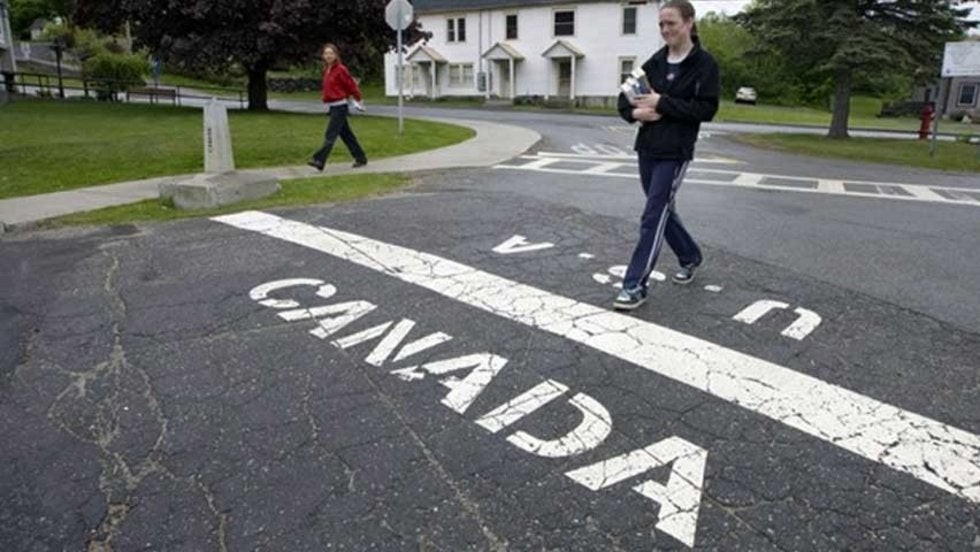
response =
{"points": [[704, 171], [934, 452]]}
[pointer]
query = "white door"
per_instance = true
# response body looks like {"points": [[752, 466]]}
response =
{"points": [[564, 78]]}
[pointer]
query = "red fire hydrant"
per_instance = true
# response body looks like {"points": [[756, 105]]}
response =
{"points": [[925, 120]]}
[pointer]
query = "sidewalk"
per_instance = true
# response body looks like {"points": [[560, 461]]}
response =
{"points": [[493, 144]]}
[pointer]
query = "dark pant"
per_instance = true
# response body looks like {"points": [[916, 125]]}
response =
{"points": [[660, 178], [338, 126]]}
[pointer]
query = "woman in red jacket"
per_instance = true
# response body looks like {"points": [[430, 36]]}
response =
{"points": [[337, 87]]}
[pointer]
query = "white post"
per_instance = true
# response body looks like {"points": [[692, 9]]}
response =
{"points": [[572, 87], [401, 73], [491, 64], [218, 155], [513, 86], [547, 88], [432, 92]]}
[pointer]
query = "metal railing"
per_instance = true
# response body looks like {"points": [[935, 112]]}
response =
{"points": [[52, 86]]}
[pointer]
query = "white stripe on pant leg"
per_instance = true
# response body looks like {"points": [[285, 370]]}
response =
{"points": [[934, 452], [658, 238]]}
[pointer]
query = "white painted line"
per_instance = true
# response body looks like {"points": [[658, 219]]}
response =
{"points": [[622, 156], [619, 270], [603, 168], [423, 344], [931, 451], [831, 186], [606, 149], [748, 179], [519, 244], [679, 499], [752, 313], [804, 325], [521, 406], [713, 288], [753, 180], [586, 256], [539, 163], [631, 157], [923, 193]]}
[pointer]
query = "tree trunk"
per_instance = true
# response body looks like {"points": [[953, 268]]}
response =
{"points": [[842, 104], [258, 96]]}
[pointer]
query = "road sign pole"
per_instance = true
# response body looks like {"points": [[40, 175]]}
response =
{"points": [[945, 85], [401, 75], [399, 15]]}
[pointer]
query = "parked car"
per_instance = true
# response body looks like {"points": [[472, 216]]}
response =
{"points": [[745, 94]]}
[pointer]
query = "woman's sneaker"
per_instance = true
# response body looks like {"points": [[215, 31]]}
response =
{"points": [[629, 299], [685, 274]]}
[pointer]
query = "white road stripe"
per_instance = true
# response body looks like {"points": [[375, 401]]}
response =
{"points": [[916, 192], [540, 163], [631, 158], [747, 180], [831, 186], [602, 168], [936, 453], [923, 193]]}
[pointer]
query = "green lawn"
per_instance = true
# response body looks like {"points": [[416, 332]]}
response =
{"points": [[294, 192], [952, 156], [48, 146], [863, 111]]}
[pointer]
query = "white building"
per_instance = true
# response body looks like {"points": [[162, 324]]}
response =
{"points": [[579, 51]]}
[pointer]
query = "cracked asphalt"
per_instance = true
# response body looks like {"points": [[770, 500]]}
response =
{"points": [[150, 400]]}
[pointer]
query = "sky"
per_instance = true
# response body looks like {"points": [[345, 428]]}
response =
{"points": [[731, 7]]}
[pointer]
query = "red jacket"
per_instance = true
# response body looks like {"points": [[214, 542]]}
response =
{"points": [[338, 84]]}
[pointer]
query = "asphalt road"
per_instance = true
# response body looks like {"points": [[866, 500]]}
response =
{"points": [[439, 370]]}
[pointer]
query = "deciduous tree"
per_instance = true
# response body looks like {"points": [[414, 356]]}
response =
{"points": [[844, 38]]}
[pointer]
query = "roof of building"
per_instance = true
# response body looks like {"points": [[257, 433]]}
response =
{"points": [[436, 6], [502, 50], [563, 48], [427, 53]]}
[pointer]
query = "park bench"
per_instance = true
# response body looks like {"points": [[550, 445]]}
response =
{"points": [[153, 93]]}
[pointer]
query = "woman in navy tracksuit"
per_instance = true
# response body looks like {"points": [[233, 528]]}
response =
{"points": [[337, 87], [684, 79]]}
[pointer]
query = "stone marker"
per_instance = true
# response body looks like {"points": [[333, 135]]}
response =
{"points": [[218, 157], [220, 184]]}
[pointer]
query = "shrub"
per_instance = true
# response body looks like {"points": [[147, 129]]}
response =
{"points": [[116, 72]]}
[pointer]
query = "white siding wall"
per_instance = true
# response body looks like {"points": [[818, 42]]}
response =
{"points": [[598, 33]]}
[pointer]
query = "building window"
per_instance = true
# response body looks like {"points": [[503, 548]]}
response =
{"points": [[968, 94], [626, 66], [564, 23], [629, 20], [461, 75], [456, 29], [512, 27]]}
